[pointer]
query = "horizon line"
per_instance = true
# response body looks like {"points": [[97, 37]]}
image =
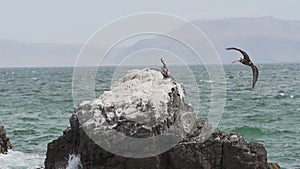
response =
{"points": [[146, 66]]}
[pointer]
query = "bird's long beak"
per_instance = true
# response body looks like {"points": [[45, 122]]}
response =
{"points": [[236, 61]]}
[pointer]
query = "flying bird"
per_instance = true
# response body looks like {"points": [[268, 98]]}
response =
{"points": [[164, 70], [246, 61]]}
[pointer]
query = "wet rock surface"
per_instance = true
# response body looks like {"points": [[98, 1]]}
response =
{"points": [[5, 143], [144, 114], [273, 166]]}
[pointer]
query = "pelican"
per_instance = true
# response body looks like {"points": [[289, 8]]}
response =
{"points": [[164, 70], [246, 61]]}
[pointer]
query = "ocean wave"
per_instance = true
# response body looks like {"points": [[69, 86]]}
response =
{"points": [[207, 81], [246, 130], [281, 132], [290, 165], [24, 132], [20, 160], [29, 119]]}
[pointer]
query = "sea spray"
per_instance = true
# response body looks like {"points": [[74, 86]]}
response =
{"points": [[20, 160], [74, 162]]}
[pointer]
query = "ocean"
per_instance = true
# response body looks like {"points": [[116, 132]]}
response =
{"points": [[36, 103]]}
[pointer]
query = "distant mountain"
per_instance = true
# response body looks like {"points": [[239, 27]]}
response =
{"points": [[266, 39], [27, 54]]}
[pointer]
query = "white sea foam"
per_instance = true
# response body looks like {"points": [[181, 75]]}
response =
{"points": [[20, 160], [207, 81], [292, 165], [74, 162]]}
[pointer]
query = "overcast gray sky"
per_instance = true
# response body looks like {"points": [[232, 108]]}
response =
{"points": [[42, 26], [70, 21]]}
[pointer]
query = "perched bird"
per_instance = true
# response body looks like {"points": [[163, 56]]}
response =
{"points": [[164, 70], [246, 61]]}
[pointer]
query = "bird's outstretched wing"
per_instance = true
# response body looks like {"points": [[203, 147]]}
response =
{"points": [[246, 57], [255, 74]]}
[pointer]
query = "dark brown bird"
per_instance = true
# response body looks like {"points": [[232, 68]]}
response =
{"points": [[164, 70], [246, 61]]}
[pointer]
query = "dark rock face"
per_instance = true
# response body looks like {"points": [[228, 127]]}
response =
{"points": [[4, 141], [202, 147], [220, 151]]}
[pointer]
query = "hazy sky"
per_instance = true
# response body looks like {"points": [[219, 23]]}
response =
{"points": [[71, 21], [56, 22]]}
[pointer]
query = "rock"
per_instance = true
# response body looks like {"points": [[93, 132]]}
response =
{"points": [[5, 143], [273, 166], [142, 105]]}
